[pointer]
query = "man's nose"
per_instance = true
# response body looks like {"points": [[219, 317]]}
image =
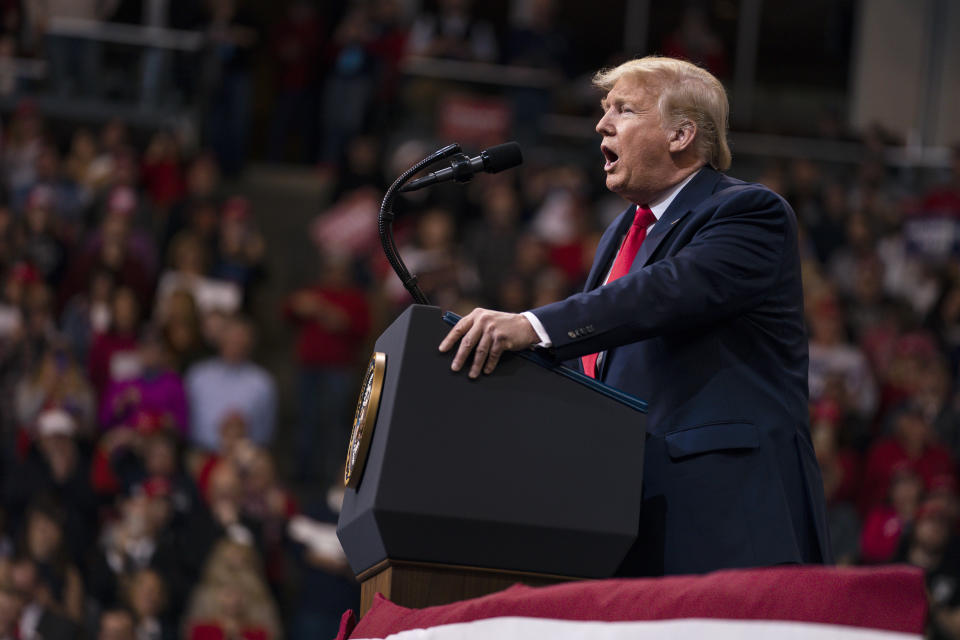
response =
{"points": [[605, 126]]}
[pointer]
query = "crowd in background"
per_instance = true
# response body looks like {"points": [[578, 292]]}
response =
{"points": [[138, 485], [143, 491]]}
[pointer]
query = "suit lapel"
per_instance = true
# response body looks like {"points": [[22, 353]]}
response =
{"points": [[696, 191], [608, 247]]}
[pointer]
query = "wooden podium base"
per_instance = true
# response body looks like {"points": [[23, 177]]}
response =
{"points": [[424, 584]]}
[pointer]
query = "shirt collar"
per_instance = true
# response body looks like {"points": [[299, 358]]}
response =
{"points": [[659, 206]]}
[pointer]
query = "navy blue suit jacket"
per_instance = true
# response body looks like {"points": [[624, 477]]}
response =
{"points": [[708, 328]]}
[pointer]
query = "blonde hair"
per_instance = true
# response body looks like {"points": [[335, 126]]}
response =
{"points": [[687, 94], [235, 567]]}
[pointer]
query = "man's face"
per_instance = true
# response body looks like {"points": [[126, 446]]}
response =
{"points": [[635, 146], [235, 343], [116, 625]]}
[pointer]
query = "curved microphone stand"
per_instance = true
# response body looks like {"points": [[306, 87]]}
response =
{"points": [[385, 221]]}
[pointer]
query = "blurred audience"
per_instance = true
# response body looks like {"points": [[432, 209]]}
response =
{"points": [[454, 32], [233, 34], [295, 44], [39, 617], [152, 476]]}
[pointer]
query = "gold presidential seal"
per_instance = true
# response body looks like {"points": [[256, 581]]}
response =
{"points": [[364, 419]]}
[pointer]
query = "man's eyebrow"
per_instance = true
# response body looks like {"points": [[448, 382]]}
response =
{"points": [[605, 101]]}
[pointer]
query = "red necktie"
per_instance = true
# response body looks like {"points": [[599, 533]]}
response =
{"points": [[621, 265]]}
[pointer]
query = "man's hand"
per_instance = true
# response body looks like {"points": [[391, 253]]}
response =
{"points": [[488, 334]]}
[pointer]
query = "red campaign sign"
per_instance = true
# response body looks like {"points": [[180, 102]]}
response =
{"points": [[472, 120]]}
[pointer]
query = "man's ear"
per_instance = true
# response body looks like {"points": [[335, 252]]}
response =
{"points": [[682, 137]]}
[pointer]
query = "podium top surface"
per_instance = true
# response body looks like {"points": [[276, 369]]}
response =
{"points": [[572, 374]]}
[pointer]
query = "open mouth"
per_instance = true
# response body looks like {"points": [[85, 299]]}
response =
{"points": [[610, 156]]}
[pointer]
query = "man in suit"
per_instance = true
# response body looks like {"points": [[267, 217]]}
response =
{"points": [[695, 304]]}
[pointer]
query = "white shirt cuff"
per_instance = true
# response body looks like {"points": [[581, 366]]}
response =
{"points": [[538, 327]]}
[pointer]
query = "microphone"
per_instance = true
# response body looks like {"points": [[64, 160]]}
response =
{"points": [[462, 169]]}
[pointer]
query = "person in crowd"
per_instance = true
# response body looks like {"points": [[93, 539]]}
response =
{"points": [[23, 143], [201, 197], [125, 218], [885, 524], [111, 248], [162, 175], [537, 38], [155, 392], [834, 359], [350, 83], [79, 165], [695, 39], [333, 319], [116, 623], [870, 308], [859, 243], [267, 503], [295, 43], [932, 545], [900, 354], [87, 313], [229, 383], [434, 257], [561, 221], [146, 595], [113, 353], [233, 35], [453, 31], [360, 168], [141, 537], [182, 330], [56, 381], [30, 333], [224, 494], [912, 443], [933, 392], [150, 449], [54, 467], [234, 445], [112, 151], [232, 600], [67, 197], [188, 270], [323, 568], [840, 469], [45, 544], [40, 617], [41, 244], [389, 31], [240, 247]]}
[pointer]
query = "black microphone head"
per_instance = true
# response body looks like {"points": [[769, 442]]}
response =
{"points": [[503, 156]]}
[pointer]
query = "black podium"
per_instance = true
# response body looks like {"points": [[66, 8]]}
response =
{"points": [[531, 474]]}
